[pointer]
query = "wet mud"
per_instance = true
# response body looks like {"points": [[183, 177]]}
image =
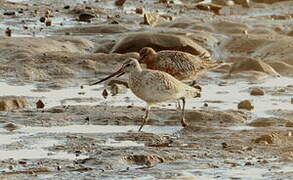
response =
{"points": [[54, 126]]}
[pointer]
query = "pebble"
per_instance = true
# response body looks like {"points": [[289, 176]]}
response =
{"points": [[85, 17], [67, 7], [8, 32], [40, 104], [43, 19], [257, 92], [246, 104], [48, 23], [11, 127], [119, 2], [105, 93], [9, 13], [139, 10]]}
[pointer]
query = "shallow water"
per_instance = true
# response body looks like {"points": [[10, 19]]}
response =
{"points": [[38, 148], [217, 97]]}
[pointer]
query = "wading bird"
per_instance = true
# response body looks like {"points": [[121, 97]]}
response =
{"points": [[183, 66], [154, 87]]}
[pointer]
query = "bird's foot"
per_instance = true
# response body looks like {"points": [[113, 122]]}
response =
{"points": [[183, 123]]}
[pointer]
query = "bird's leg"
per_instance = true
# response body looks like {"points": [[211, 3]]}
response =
{"points": [[146, 117], [178, 106], [183, 113]]}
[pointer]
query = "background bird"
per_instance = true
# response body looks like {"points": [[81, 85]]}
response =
{"points": [[183, 66], [154, 87]]}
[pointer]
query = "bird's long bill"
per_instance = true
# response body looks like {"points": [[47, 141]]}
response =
{"points": [[118, 73]]}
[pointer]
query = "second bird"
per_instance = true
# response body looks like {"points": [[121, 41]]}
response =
{"points": [[183, 66]]}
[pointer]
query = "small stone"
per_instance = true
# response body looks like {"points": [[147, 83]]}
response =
{"points": [[43, 19], [248, 164], [205, 104], [8, 32], [21, 162], [289, 124], [119, 2], [257, 92], [11, 127], [246, 104], [40, 104], [58, 168], [266, 139], [9, 13], [48, 23], [86, 17], [139, 10], [224, 145], [81, 87], [105, 93], [67, 7], [163, 1]]}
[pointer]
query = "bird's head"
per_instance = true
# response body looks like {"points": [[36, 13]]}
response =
{"points": [[146, 54]]}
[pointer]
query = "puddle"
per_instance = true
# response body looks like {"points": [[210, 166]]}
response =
{"points": [[97, 129], [35, 151], [114, 143], [240, 128], [38, 149]]}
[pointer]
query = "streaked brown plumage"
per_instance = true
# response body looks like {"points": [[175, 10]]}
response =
{"points": [[154, 86], [183, 66]]}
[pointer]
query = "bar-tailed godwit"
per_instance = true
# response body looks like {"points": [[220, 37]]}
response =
{"points": [[183, 66], [154, 87]]}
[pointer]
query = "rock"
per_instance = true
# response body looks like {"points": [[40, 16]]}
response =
{"points": [[66, 7], [86, 17], [40, 104], [8, 103], [158, 41], [119, 2], [145, 160], [48, 22], [267, 139], [193, 117], [8, 32], [246, 104], [267, 122], [11, 127], [153, 19], [9, 13], [43, 19], [249, 65], [139, 10], [105, 93], [289, 124], [257, 92]]}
